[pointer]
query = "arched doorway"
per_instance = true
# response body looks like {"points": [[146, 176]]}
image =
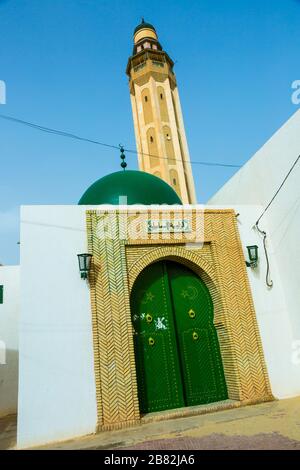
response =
{"points": [[178, 360]]}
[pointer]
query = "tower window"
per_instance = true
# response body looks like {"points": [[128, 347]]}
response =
{"points": [[161, 96], [174, 181], [146, 98], [1, 294], [151, 138]]}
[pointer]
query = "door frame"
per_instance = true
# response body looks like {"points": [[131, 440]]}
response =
{"points": [[218, 259]]}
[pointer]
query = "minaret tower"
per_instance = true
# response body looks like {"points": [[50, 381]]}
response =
{"points": [[158, 122]]}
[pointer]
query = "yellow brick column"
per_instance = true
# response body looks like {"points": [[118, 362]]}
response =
{"points": [[116, 388]]}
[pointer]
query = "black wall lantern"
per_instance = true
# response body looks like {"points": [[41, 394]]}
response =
{"points": [[84, 260], [253, 256]]}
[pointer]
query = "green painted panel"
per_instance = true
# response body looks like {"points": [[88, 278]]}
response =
{"points": [[157, 362], [201, 362], [178, 358]]}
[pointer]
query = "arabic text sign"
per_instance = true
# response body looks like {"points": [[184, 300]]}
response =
{"points": [[169, 226]]}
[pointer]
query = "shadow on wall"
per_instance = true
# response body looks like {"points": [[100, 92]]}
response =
{"points": [[9, 383]]}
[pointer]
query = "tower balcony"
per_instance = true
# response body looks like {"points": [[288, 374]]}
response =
{"points": [[150, 63], [158, 58]]}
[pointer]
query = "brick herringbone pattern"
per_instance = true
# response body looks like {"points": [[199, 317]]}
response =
{"points": [[248, 371], [220, 263], [117, 394]]}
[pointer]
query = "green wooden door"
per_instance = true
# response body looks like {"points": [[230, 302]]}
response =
{"points": [[198, 346], [177, 353], [157, 361]]}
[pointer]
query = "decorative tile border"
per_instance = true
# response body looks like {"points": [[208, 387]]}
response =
{"points": [[116, 388], [220, 263]]}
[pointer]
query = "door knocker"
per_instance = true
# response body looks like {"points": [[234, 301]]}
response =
{"points": [[195, 336], [151, 342], [149, 318], [192, 314]]}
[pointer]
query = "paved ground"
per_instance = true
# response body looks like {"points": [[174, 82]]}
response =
{"points": [[8, 429], [221, 442], [274, 425]]}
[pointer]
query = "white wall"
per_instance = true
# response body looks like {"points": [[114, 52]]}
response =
{"points": [[9, 317], [56, 382], [271, 309], [256, 183], [259, 178]]}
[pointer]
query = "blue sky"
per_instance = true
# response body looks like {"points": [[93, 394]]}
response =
{"points": [[64, 62]]}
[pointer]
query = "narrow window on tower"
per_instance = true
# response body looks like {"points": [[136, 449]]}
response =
{"points": [[147, 109], [1, 294], [161, 95], [174, 180], [152, 147]]}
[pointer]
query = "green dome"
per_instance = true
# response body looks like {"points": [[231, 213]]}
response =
{"points": [[138, 186], [143, 25]]}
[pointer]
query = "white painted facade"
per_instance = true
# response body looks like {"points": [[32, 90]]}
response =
{"points": [[57, 393], [282, 353], [57, 386], [256, 183], [9, 318]]}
